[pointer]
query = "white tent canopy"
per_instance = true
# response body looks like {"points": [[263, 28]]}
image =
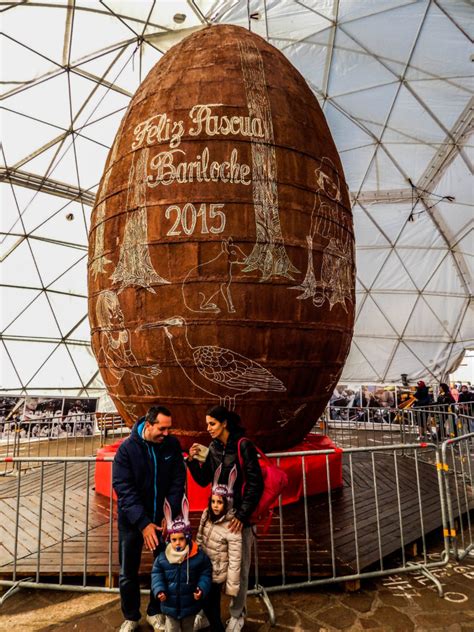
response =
{"points": [[395, 82]]}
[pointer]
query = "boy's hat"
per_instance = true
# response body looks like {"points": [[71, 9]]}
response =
{"points": [[219, 489], [181, 523]]}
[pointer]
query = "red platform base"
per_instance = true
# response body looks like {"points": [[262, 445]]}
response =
{"points": [[315, 472]]}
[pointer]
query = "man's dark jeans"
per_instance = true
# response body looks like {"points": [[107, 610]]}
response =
{"points": [[130, 553]]}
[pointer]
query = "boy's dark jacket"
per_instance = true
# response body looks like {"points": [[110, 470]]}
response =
{"points": [[180, 581], [144, 474]]}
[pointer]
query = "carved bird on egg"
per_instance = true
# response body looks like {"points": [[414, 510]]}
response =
{"points": [[232, 371]]}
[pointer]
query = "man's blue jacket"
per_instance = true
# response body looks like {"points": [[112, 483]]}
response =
{"points": [[144, 474]]}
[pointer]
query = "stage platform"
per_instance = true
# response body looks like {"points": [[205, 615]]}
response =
{"points": [[357, 508]]}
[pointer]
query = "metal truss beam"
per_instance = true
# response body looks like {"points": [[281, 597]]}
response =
{"points": [[40, 339], [387, 196], [46, 185], [449, 150]]}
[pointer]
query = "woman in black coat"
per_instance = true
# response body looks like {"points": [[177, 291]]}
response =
{"points": [[447, 401], [422, 395], [444, 396], [225, 431]]}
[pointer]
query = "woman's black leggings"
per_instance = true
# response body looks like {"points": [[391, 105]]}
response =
{"points": [[212, 608]]}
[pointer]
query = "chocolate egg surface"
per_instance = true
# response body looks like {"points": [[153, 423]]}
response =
{"points": [[221, 252]]}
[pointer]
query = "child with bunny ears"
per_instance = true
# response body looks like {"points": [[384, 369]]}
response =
{"points": [[223, 546], [181, 575]]}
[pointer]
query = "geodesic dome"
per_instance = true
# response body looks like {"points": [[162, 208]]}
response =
{"points": [[394, 80]]}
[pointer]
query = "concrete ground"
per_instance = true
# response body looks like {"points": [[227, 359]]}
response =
{"points": [[398, 603]]}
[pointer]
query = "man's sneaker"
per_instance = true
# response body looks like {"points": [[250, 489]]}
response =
{"points": [[235, 624], [200, 622], [128, 626], [157, 621]]}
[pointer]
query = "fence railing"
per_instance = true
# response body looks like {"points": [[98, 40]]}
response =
{"points": [[357, 427], [378, 517], [457, 463], [71, 435], [59, 527], [82, 434], [57, 532], [51, 505]]}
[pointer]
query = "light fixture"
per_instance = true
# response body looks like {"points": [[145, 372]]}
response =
{"points": [[417, 195], [70, 217], [179, 18]]}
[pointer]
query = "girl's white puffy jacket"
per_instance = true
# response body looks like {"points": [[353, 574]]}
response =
{"points": [[224, 549]]}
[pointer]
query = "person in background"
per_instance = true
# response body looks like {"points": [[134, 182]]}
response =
{"points": [[421, 395], [422, 399], [445, 395], [446, 400], [148, 467], [466, 407], [465, 395], [454, 391]]}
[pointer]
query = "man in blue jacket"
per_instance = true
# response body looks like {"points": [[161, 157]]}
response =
{"points": [[147, 468]]}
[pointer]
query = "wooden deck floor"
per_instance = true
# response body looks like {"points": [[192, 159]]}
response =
{"points": [[357, 509]]}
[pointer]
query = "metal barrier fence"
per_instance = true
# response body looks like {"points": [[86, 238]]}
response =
{"points": [[72, 435], [378, 517], [357, 427], [439, 423], [82, 435], [58, 531], [51, 509], [457, 463]]}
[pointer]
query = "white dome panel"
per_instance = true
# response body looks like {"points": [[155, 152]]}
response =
{"points": [[37, 320], [371, 321], [389, 35], [393, 275], [366, 231], [369, 262], [397, 307], [309, 57], [14, 301]]}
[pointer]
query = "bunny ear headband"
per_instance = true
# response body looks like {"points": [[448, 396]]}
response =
{"points": [[180, 524], [220, 489]]}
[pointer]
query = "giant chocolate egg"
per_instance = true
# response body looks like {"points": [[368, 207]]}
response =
{"points": [[221, 256]]}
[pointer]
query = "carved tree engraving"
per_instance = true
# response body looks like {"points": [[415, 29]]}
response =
{"points": [[134, 266], [269, 254]]}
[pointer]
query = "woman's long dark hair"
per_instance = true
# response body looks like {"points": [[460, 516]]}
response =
{"points": [[233, 419], [211, 515]]}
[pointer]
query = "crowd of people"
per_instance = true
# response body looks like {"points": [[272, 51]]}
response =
{"points": [[455, 396], [461, 395], [381, 404], [189, 574], [442, 416]]}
